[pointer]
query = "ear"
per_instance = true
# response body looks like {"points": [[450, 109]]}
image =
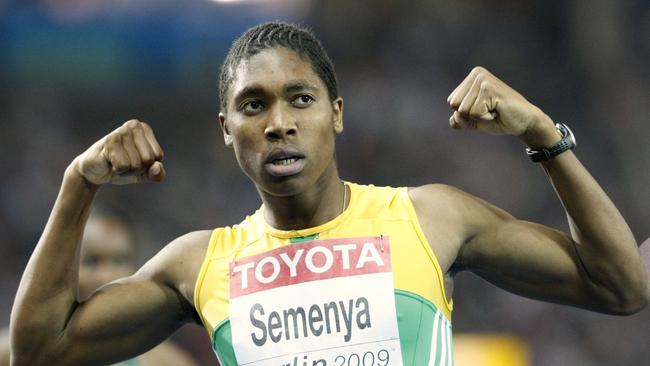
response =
{"points": [[227, 138], [337, 117]]}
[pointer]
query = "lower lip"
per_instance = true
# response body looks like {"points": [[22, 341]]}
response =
{"points": [[285, 170]]}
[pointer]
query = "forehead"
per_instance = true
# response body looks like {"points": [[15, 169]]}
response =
{"points": [[274, 68]]}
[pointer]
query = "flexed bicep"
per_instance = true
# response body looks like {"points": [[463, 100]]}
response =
{"points": [[121, 320], [536, 261], [131, 315], [522, 257]]}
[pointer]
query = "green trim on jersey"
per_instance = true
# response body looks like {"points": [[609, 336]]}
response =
{"points": [[222, 344], [425, 333], [302, 239]]}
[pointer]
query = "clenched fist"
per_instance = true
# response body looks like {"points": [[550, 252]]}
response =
{"points": [[130, 154], [483, 102]]}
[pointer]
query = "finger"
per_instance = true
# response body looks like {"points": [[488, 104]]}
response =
{"points": [[156, 172], [149, 135], [453, 123], [132, 151], [457, 121], [485, 105], [458, 94], [115, 154], [470, 98], [465, 80], [142, 145]]}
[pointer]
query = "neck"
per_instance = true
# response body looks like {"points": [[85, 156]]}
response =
{"points": [[317, 205]]}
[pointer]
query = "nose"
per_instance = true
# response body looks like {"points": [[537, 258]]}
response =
{"points": [[280, 124]]}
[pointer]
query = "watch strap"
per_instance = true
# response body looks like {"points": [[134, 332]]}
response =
{"points": [[566, 143]]}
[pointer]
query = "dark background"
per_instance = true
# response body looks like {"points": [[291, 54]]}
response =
{"points": [[73, 70]]}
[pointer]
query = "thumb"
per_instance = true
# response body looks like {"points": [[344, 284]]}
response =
{"points": [[156, 172], [458, 121], [488, 115], [482, 111]]}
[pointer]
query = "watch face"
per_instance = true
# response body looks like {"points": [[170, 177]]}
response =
{"points": [[566, 132]]}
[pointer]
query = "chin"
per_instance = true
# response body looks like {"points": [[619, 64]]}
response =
{"points": [[282, 186]]}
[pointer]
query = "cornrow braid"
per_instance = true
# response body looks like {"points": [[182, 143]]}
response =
{"points": [[277, 34]]}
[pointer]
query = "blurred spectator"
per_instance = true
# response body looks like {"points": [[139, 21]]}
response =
{"points": [[107, 254]]}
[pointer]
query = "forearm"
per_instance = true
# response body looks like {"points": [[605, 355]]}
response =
{"points": [[47, 292], [605, 245]]}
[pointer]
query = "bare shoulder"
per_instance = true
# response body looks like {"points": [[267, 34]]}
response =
{"points": [[450, 204], [179, 262], [437, 195], [449, 217], [166, 354]]}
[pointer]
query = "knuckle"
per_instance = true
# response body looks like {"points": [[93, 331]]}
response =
{"points": [[129, 130], [477, 70], [479, 79], [120, 165], [113, 138], [132, 123], [125, 134], [147, 159], [145, 126], [486, 86]]}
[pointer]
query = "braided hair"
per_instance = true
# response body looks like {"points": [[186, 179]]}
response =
{"points": [[277, 34]]}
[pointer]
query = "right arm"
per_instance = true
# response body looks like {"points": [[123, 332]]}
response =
{"points": [[49, 325]]}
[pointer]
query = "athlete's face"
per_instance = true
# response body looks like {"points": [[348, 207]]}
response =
{"points": [[281, 122], [106, 255]]}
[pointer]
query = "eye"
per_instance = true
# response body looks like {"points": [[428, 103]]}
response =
{"points": [[252, 107], [303, 101]]}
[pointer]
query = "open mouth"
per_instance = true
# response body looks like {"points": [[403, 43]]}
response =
{"points": [[284, 162]]}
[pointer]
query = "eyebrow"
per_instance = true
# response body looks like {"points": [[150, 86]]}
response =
{"points": [[295, 86], [258, 90], [252, 90]]}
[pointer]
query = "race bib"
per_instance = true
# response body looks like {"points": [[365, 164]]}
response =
{"points": [[317, 303]]}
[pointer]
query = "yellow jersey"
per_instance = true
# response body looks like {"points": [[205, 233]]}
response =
{"points": [[422, 310]]}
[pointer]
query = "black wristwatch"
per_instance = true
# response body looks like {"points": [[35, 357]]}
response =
{"points": [[568, 142]]}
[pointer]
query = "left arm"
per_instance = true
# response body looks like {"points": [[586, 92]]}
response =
{"points": [[597, 266]]}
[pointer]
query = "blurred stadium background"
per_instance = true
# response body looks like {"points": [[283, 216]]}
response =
{"points": [[73, 70]]}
